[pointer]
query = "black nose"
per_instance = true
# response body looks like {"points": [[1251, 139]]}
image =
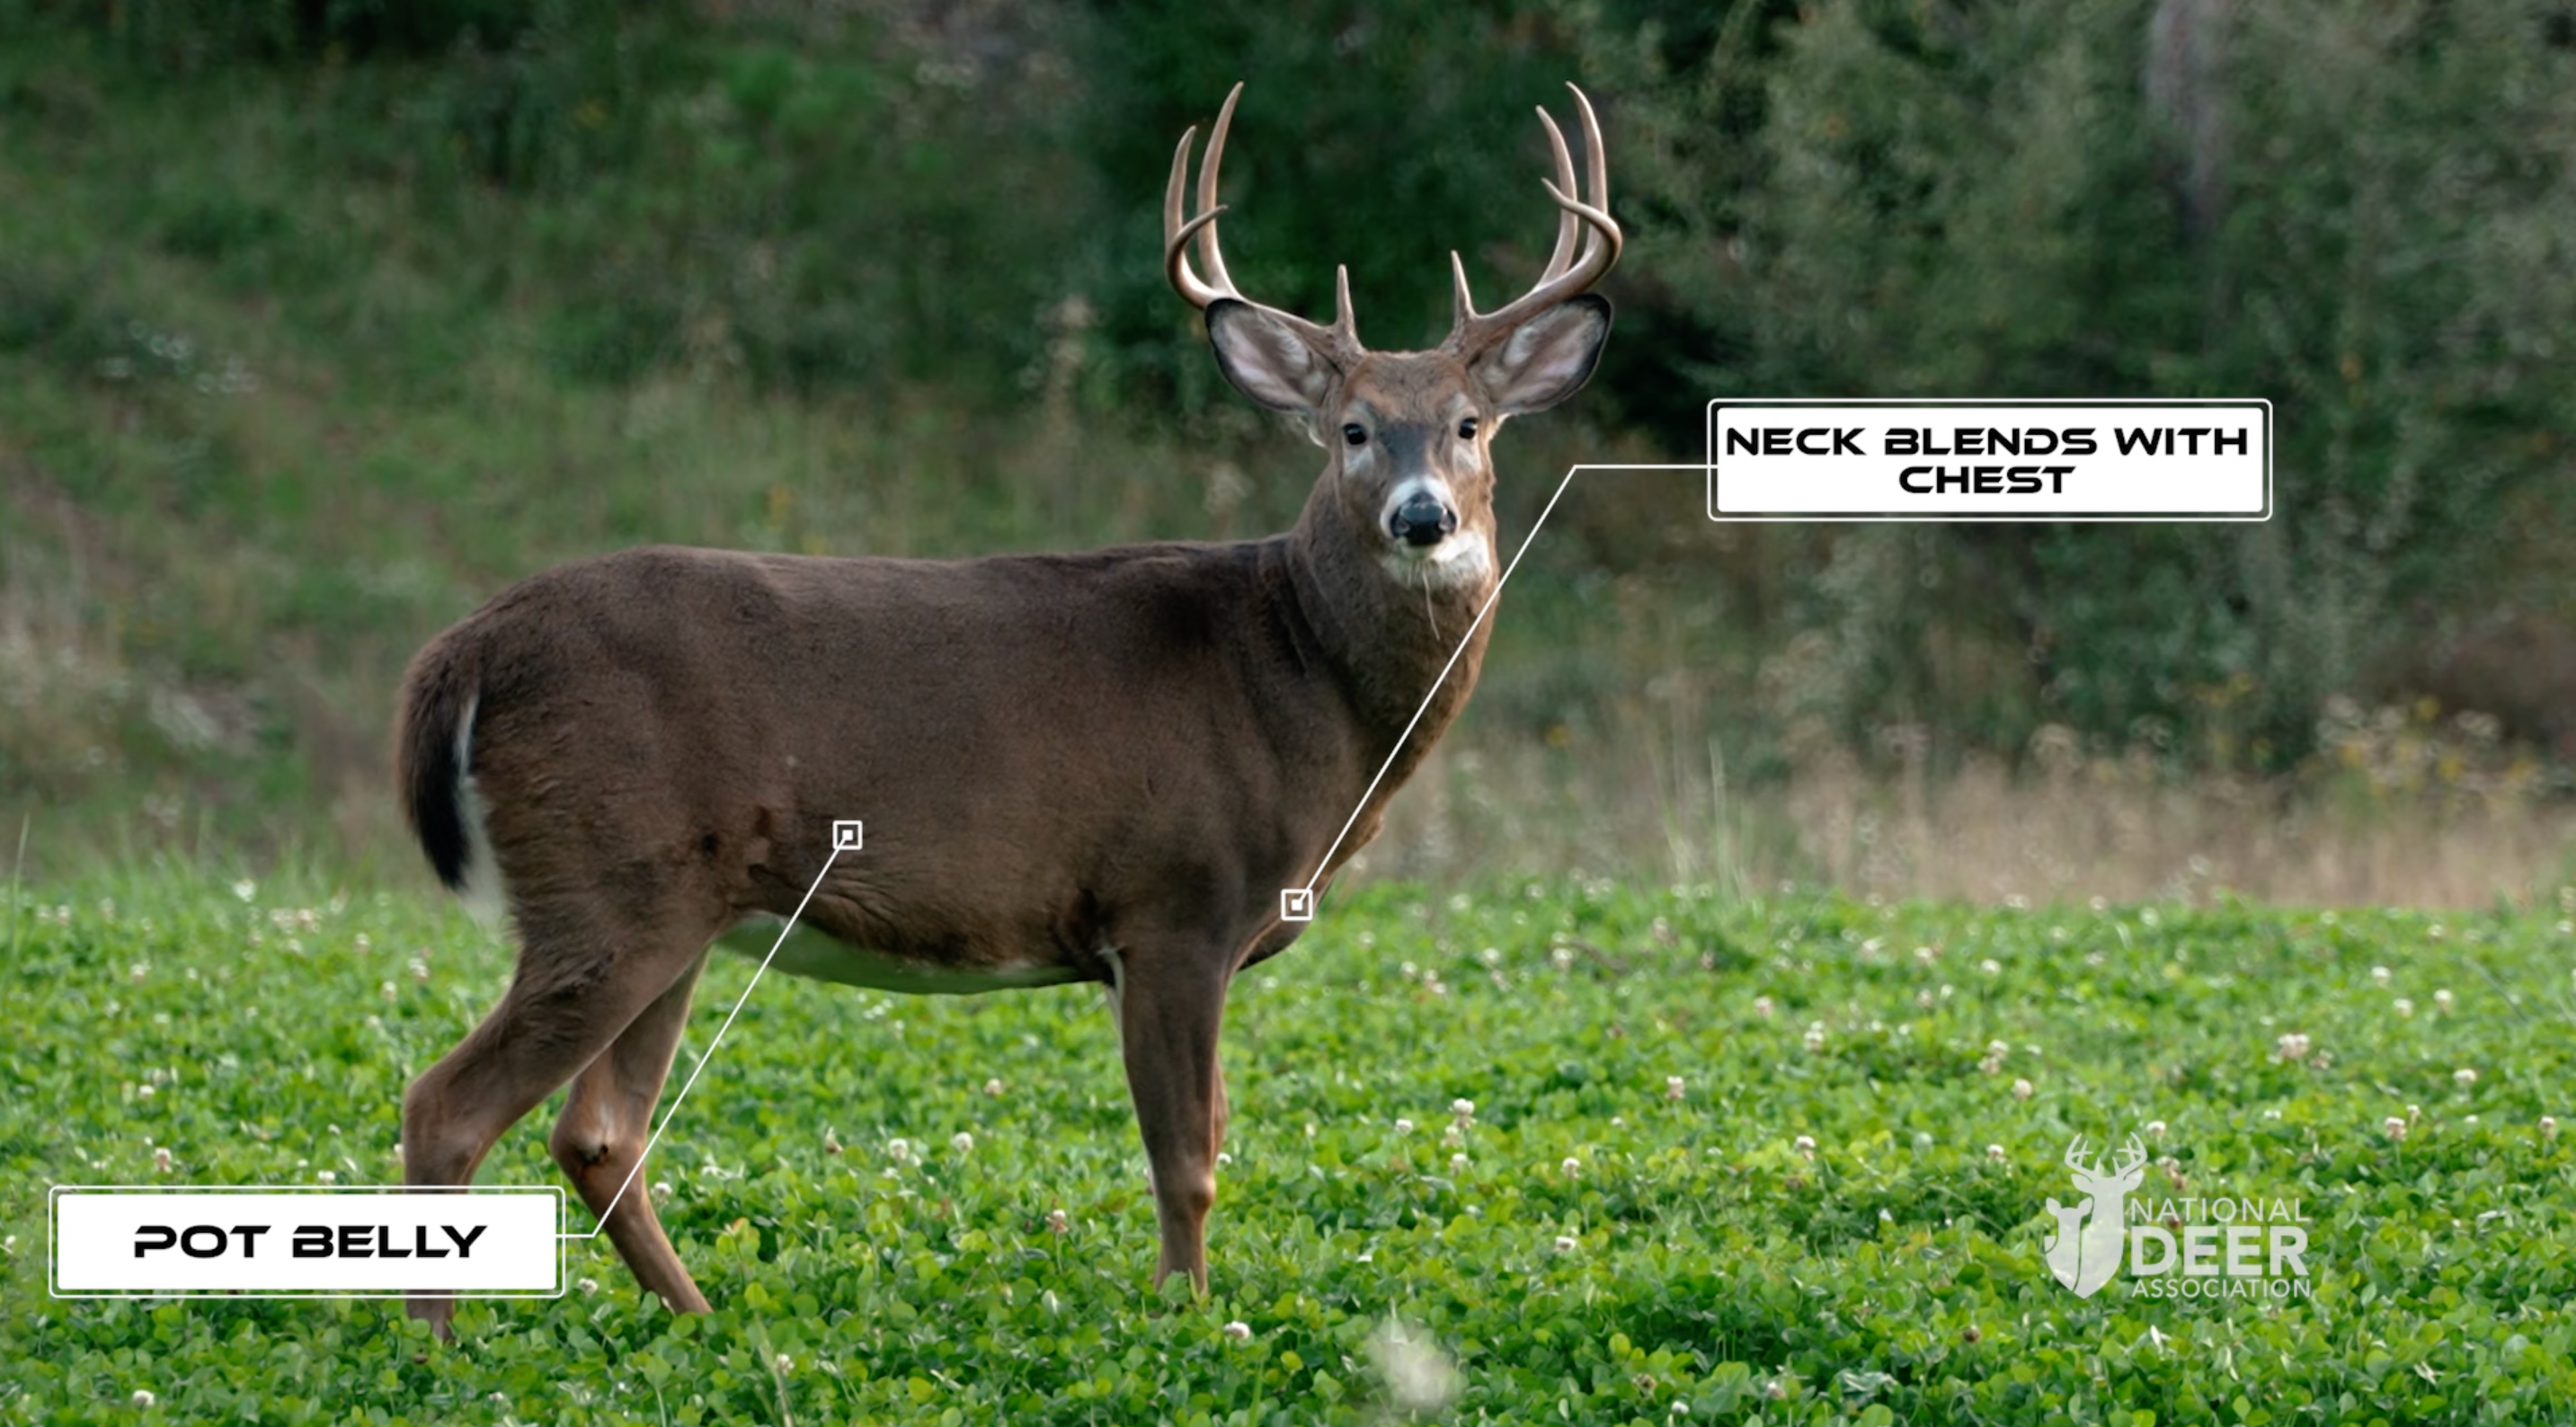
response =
{"points": [[1423, 520]]}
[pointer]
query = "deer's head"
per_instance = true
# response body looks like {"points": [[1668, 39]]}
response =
{"points": [[1409, 434]]}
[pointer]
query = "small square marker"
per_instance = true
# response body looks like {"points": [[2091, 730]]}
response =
{"points": [[845, 834], [1296, 904]]}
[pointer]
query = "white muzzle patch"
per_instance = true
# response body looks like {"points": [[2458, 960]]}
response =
{"points": [[1459, 558]]}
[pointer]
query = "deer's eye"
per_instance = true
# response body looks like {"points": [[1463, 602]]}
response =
{"points": [[1467, 429], [1354, 435]]}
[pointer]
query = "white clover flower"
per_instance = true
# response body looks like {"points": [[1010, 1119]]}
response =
{"points": [[2464, 1077], [993, 1087], [2442, 1001], [327, 1177], [2402, 1006], [1763, 1007], [962, 1142], [1815, 1037], [1990, 966], [1572, 1168], [786, 1363], [1057, 1223], [1995, 1153], [389, 990], [1991, 1065], [2379, 975], [831, 1141], [1239, 1331], [2549, 1127], [1805, 1145], [900, 1151], [2155, 1129], [2292, 1045], [1675, 1088], [1464, 1109], [1457, 1164], [143, 1398], [2394, 1127], [1565, 1244], [661, 1191], [2021, 1089], [1403, 1126], [161, 1160], [139, 970], [588, 1285]]}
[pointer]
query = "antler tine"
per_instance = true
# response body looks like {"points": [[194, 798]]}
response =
{"points": [[1341, 339], [1567, 225], [1208, 253], [1560, 280], [1176, 234], [1596, 158]]}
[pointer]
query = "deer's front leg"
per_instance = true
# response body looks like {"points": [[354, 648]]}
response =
{"points": [[1169, 1014]]}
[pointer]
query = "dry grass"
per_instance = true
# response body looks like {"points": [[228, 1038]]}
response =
{"points": [[2106, 828]]}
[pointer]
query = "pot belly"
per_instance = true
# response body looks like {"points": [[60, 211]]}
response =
{"points": [[811, 954]]}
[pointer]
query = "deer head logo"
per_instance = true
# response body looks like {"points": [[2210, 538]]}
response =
{"points": [[2084, 1251]]}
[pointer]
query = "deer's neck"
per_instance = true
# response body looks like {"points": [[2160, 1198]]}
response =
{"points": [[1389, 638]]}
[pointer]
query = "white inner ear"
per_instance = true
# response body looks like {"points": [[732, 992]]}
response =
{"points": [[1267, 361], [1545, 359]]}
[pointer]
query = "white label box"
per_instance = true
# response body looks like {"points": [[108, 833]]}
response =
{"points": [[179, 1241], [1837, 459]]}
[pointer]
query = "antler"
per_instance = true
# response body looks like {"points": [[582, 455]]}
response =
{"points": [[2075, 1155], [2132, 1154], [1341, 339], [1566, 274]]}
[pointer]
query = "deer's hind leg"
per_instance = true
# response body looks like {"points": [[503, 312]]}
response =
{"points": [[601, 1136], [585, 975]]}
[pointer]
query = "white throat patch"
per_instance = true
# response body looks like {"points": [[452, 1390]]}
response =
{"points": [[1465, 558]]}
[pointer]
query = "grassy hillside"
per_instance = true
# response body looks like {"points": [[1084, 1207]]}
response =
{"points": [[1771, 1161], [274, 408]]}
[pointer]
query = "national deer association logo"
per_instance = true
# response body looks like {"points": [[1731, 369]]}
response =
{"points": [[2177, 1247]]}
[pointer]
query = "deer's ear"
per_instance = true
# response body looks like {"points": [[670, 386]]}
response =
{"points": [[1267, 360], [1546, 359]]}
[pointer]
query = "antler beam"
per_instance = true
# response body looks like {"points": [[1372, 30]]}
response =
{"points": [[1566, 273]]}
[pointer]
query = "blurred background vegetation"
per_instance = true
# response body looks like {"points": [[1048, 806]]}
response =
{"points": [[322, 320]]}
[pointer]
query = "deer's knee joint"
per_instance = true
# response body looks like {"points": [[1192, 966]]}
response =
{"points": [[1191, 1192], [582, 1142]]}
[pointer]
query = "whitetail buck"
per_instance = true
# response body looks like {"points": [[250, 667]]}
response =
{"points": [[1095, 767]]}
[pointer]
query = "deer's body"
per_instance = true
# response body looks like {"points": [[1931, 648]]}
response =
{"points": [[1074, 739], [1099, 767]]}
